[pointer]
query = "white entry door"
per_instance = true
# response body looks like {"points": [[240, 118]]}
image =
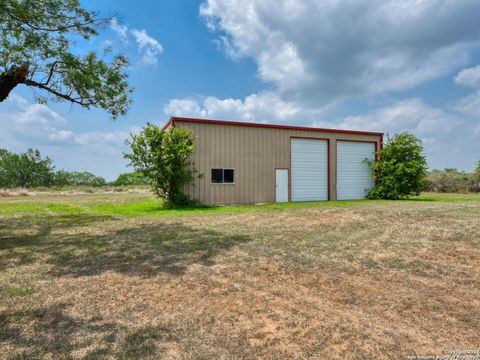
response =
{"points": [[281, 185]]}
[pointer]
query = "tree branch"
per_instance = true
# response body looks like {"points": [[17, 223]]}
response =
{"points": [[79, 101], [66, 26], [52, 68]]}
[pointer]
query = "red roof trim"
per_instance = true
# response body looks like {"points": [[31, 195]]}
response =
{"points": [[173, 119], [169, 122]]}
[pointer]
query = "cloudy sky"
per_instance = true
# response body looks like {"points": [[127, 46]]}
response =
{"points": [[386, 65]]}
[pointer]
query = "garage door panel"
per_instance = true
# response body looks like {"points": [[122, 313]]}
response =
{"points": [[309, 169], [354, 177]]}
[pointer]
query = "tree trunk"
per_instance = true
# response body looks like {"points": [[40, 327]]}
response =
{"points": [[11, 78]]}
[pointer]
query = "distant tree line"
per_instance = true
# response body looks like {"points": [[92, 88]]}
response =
{"points": [[77, 178], [31, 169], [454, 181]]}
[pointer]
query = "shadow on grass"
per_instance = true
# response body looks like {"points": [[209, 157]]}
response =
{"points": [[143, 251], [78, 246], [24, 240], [71, 248], [49, 332]]}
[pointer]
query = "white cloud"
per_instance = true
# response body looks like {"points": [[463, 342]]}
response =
{"points": [[148, 46], [411, 115], [318, 51], [104, 140], [31, 114], [469, 77], [185, 107], [37, 124], [120, 29], [263, 107], [469, 105]]}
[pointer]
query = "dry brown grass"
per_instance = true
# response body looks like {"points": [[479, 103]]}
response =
{"points": [[371, 280], [12, 193]]}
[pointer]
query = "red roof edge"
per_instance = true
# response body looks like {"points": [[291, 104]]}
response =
{"points": [[173, 119]]}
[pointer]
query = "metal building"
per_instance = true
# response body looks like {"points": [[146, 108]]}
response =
{"points": [[246, 163]]}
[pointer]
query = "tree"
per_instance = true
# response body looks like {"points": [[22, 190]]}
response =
{"points": [[453, 181], [400, 169], [131, 178], [29, 169], [38, 49], [78, 178], [477, 167], [163, 157]]}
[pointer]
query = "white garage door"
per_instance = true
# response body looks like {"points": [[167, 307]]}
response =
{"points": [[309, 170], [354, 177]]}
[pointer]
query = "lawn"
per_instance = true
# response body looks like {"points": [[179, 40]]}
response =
{"points": [[114, 275]]}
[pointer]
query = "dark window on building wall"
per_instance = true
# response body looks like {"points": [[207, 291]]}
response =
{"points": [[217, 176], [228, 176], [223, 176]]}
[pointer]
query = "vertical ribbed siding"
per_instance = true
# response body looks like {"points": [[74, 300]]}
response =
{"points": [[254, 153]]}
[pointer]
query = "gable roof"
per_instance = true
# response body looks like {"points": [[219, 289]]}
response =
{"points": [[175, 119]]}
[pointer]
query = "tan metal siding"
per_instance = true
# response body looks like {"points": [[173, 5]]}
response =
{"points": [[254, 153]]}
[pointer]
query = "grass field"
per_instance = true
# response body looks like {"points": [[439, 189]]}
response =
{"points": [[113, 275]]}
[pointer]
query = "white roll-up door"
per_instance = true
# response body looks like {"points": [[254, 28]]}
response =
{"points": [[354, 177], [309, 172]]}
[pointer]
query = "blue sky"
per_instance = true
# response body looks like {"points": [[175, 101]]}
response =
{"points": [[372, 65]]}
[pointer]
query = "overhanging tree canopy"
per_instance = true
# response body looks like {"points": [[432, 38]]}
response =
{"points": [[37, 43]]}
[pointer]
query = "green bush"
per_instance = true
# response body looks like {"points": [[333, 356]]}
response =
{"points": [[132, 178], [163, 157], [400, 169]]}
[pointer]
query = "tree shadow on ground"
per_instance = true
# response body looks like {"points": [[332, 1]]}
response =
{"points": [[24, 240], [49, 332], [144, 251], [70, 248]]}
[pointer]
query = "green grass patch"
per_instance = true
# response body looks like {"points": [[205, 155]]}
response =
{"points": [[156, 208], [153, 207], [19, 292]]}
